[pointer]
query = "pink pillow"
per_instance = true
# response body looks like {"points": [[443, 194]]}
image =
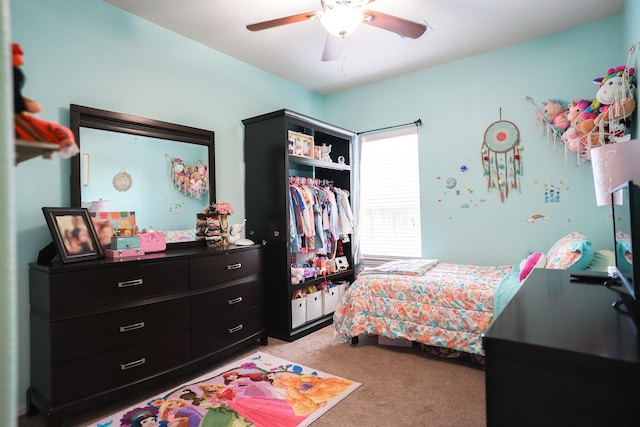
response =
{"points": [[534, 260]]}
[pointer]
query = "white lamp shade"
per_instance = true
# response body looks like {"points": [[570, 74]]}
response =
{"points": [[614, 164], [341, 20]]}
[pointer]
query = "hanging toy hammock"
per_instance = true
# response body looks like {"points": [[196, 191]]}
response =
{"points": [[501, 157]]}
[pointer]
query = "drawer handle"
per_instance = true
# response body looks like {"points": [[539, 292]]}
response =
{"points": [[132, 327], [234, 266], [125, 366], [128, 283], [236, 329], [234, 301]]}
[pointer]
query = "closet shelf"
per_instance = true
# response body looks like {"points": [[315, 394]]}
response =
{"points": [[319, 163], [26, 150]]}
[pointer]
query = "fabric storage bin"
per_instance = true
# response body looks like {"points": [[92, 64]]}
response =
{"points": [[342, 289], [330, 299], [314, 305], [298, 312]]}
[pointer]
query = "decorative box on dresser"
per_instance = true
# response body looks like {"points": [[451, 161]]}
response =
{"points": [[112, 328], [269, 165], [560, 355]]}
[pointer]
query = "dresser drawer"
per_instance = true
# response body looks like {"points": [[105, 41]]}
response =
{"points": [[228, 266], [230, 301], [222, 331], [83, 377], [73, 293], [87, 335]]}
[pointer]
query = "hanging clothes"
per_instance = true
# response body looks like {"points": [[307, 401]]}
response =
{"points": [[319, 215]]}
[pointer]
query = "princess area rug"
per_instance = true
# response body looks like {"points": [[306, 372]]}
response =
{"points": [[258, 390]]}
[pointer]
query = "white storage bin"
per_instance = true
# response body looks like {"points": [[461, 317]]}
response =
{"points": [[330, 299], [298, 312], [314, 305], [342, 289]]}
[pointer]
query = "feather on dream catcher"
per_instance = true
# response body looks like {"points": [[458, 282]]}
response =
{"points": [[501, 157]]}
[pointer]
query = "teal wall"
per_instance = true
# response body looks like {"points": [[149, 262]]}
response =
{"points": [[89, 53], [630, 16], [8, 303], [456, 102]]}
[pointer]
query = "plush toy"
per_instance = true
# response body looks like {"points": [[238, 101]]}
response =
{"points": [[556, 114], [297, 275], [617, 84], [30, 128], [573, 135], [551, 109], [613, 104]]}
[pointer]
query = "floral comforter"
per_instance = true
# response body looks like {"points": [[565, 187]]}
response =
{"points": [[450, 306]]}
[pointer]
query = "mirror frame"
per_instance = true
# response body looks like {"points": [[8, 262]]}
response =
{"points": [[88, 117]]}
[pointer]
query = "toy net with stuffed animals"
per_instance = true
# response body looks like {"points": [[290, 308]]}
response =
{"points": [[582, 123]]}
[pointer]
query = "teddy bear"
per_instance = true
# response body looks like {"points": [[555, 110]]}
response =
{"points": [[297, 275], [30, 128]]}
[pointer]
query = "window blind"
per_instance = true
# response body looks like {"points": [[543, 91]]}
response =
{"points": [[390, 195]]}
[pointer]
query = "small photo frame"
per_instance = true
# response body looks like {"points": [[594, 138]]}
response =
{"points": [[301, 144], [74, 235], [307, 145]]}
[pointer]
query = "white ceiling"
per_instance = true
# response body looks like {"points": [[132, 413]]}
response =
{"points": [[460, 28]]}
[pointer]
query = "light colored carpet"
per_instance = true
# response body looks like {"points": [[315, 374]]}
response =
{"points": [[400, 386]]}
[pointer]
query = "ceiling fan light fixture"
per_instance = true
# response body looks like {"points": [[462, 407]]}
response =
{"points": [[341, 20]]}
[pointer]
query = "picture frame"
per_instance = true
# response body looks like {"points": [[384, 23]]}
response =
{"points": [[300, 144], [74, 235], [307, 145]]}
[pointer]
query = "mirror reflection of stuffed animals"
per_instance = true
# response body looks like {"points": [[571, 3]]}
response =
{"points": [[190, 180], [30, 128]]}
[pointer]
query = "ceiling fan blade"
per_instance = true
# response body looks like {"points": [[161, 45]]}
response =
{"points": [[394, 24], [331, 48], [282, 21]]}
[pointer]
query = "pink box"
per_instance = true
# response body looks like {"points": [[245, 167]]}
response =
{"points": [[123, 253], [153, 241]]}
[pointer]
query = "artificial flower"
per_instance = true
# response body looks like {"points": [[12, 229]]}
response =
{"points": [[222, 208]]}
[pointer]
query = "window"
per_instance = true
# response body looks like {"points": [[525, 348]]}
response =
{"points": [[389, 195]]}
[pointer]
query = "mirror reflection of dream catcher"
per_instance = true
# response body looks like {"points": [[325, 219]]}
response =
{"points": [[122, 181], [501, 157]]}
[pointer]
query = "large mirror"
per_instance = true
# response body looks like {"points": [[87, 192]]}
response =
{"points": [[135, 170]]}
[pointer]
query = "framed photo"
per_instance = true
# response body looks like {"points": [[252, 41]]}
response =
{"points": [[74, 235], [307, 145], [300, 144]]}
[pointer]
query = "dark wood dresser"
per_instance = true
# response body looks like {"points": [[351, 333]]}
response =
{"points": [[109, 328], [560, 355]]}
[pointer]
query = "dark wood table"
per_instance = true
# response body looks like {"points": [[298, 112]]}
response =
{"points": [[560, 354]]}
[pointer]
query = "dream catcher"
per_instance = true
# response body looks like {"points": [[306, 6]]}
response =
{"points": [[501, 157]]}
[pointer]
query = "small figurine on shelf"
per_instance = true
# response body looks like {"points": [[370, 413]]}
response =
{"points": [[325, 151], [30, 128]]}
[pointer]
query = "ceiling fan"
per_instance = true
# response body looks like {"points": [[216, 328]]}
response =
{"points": [[341, 18]]}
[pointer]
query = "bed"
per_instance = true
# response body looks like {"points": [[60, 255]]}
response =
{"points": [[445, 307]]}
